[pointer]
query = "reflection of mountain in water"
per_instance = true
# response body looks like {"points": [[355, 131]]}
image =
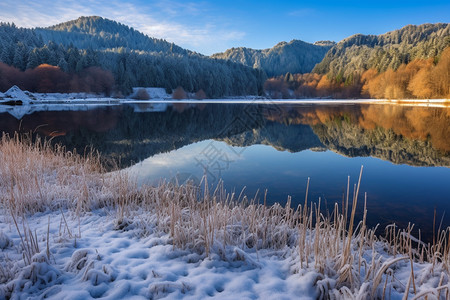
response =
{"points": [[412, 135], [294, 138]]}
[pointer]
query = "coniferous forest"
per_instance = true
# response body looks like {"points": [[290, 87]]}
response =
{"points": [[96, 45], [93, 54]]}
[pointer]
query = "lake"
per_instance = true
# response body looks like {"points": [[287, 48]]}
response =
{"points": [[405, 150]]}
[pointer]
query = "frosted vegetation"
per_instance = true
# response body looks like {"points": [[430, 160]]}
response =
{"points": [[70, 230]]}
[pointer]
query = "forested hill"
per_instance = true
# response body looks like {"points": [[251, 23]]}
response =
{"points": [[294, 57], [133, 59], [387, 51], [99, 33]]}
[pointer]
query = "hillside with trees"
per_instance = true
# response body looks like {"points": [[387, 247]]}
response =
{"points": [[132, 58], [413, 62], [419, 79], [293, 57], [99, 33], [387, 51]]}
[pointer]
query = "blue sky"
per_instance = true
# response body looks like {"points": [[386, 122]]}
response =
{"points": [[213, 26]]}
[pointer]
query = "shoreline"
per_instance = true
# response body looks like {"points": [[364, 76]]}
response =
{"points": [[243, 100], [17, 97]]}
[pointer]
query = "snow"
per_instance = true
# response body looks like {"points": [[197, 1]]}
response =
{"points": [[15, 93], [19, 111], [93, 256], [73, 233], [109, 263]]}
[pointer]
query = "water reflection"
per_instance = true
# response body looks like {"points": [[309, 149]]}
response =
{"points": [[274, 147], [417, 136]]}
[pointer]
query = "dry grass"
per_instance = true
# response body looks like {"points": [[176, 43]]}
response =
{"points": [[34, 176]]}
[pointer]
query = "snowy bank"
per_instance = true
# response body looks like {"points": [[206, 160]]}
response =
{"points": [[70, 231]]}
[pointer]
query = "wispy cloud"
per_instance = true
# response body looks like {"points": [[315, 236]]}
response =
{"points": [[301, 12], [188, 24]]}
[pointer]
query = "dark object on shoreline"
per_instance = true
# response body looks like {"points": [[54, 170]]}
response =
{"points": [[12, 103]]}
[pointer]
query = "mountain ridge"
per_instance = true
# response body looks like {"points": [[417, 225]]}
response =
{"points": [[295, 56]]}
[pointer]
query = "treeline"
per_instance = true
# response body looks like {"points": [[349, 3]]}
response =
{"points": [[25, 49], [421, 78], [51, 79]]}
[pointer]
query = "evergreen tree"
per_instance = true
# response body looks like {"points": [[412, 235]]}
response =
{"points": [[63, 65], [33, 60]]}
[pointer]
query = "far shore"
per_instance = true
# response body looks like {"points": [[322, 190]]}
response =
{"points": [[17, 97], [236, 100]]}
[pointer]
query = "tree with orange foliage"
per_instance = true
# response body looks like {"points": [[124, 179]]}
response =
{"points": [[324, 87], [10, 76], [47, 79], [366, 78], [200, 94], [442, 75], [421, 85], [179, 93]]}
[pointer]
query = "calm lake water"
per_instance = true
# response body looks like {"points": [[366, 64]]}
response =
{"points": [[405, 150]]}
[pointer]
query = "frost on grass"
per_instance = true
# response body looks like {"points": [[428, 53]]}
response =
{"points": [[69, 231]]}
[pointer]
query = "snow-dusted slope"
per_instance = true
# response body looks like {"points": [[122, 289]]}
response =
{"points": [[16, 94]]}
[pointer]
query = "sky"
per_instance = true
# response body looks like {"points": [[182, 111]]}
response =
{"points": [[213, 26]]}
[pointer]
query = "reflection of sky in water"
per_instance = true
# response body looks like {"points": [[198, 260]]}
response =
{"points": [[395, 192]]}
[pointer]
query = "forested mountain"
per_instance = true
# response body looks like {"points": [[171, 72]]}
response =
{"points": [[293, 57], [410, 63], [131, 57], [387, 51], [99, 33]]}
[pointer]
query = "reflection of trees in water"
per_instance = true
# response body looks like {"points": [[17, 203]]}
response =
{"points": [[412, 135], [137, 136]]}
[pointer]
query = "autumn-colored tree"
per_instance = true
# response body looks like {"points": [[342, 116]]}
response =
{"points": [[276, 88], [324, 87], [306, 85], [47, 79], [179, 93], [200, 94], [97, 80], [442, 75], [141, 94], [10, 76], [366, 77], [421, 85], [50, 79]]}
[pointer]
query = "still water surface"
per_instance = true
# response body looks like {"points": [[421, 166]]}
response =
{"points": [[405, 150]]}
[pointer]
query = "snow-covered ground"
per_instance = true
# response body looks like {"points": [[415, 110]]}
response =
{"points": [[95, 257], [69, 231], [111, 263]]}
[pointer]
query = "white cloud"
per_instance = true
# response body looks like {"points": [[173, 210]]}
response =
{"points": [[169, 20]]}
